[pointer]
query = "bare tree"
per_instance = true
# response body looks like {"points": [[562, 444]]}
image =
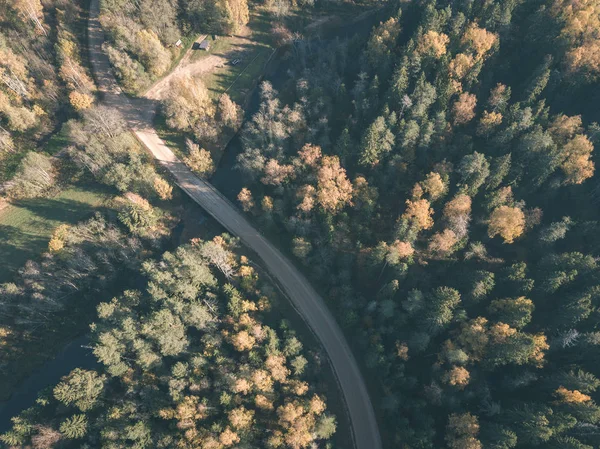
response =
{"points": [[32, 9], [104, 120], [219, 257]]}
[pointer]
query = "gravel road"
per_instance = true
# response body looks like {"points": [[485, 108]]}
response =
{"points": [[139, 114]]}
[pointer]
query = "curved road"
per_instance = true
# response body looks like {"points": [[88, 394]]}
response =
{"points": [[139, 114]]}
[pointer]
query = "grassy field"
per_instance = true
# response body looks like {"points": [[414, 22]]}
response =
{"points": [[254, 52], [237, 81], [26, 225]]}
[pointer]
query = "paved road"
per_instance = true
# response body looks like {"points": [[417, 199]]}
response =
{"points": [[306, 300]]}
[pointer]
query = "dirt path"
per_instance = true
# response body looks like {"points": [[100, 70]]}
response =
{"points": [[4, 205], [207, 64], [298, 289], [157, 90]]}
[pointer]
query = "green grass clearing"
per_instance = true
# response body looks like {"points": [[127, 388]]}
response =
{"points": [[222, 44], [253, 50], [237, 81], [26, 225]]}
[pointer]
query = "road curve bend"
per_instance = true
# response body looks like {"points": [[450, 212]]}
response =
{"points": [[139, 114]]}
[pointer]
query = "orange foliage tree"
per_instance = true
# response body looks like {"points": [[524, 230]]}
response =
{"points": [[334, 190], [571, 396], [577, 166], [508, 222], [420, 212], [462, 431], [479, 40], [464, 108], [458, 377], [245, 198], [433, 43]]}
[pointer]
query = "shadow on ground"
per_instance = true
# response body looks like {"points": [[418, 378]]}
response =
{"points": [[27, 236]]}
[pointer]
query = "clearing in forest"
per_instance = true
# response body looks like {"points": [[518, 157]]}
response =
{"points": [[26, 225], [232, 64]]}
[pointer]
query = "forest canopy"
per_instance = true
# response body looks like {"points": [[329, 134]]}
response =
{"points": [[435, 177], [186, 362], [439, 179]]}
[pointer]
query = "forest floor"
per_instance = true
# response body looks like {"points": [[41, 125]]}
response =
{"points": [[26, 225]]}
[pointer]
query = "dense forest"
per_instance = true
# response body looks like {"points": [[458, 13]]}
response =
{"points": [[48, 294], [435, 179], [212, 372], [438, 182], [186, 362]]}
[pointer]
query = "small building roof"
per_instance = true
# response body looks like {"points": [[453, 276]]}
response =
{"points": [[204, 45]]}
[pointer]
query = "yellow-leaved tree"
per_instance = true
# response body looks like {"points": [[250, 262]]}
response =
{"points": [[508, 222]]}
